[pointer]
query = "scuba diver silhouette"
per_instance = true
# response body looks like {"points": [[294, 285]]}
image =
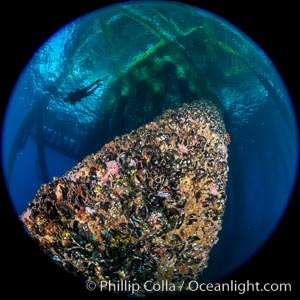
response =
{"points": [[77, 95]]}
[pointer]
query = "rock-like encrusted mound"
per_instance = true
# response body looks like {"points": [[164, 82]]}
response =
{"points": [[147, 206]]}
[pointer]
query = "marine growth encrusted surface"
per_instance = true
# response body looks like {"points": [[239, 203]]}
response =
{"points": [[147, 206]]}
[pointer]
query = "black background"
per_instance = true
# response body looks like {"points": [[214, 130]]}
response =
{"points": [[24, 27]]}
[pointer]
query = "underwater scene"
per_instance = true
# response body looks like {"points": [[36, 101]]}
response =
{"points": [[158, 142]]}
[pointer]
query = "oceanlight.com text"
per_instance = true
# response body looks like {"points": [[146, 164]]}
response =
{"points": [[239, 287]]}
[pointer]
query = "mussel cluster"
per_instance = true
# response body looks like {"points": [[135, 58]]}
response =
{"points": [[147, 206]]}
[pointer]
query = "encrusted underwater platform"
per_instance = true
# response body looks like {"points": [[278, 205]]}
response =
{"points": [[147, 206]]}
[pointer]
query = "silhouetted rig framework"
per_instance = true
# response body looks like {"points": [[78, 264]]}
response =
{"points": [[147, 206]]}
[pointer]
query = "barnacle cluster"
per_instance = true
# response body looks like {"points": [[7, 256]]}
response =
{"points": [[147, 206]]}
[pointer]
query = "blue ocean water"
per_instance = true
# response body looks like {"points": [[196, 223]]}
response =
{"points": [[150, 57]]}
